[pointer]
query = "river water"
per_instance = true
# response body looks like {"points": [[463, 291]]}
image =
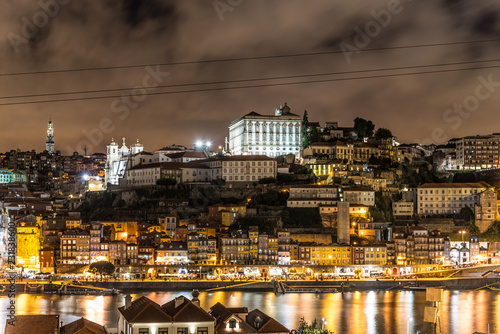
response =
{"points": [[354, 312]]}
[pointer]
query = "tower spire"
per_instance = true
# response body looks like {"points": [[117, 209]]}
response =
{"points": [[49, 142]]}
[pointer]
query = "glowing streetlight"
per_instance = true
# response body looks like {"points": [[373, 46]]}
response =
{"points": [[462, 233]]}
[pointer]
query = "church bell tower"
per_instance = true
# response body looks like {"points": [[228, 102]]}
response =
{"points": [[49, 143]]}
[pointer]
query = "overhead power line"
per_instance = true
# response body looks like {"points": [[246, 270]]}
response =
{"points": [[206, 61], [254, 86], [252, 79]]}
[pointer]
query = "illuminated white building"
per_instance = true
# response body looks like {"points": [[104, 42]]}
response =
{"points": [[49, 143], [117, 158], [271, 135]]}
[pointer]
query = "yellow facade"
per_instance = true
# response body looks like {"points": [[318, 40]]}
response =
{"points": [[331, 255], [230, 213], [29, 244], [376, 254]]}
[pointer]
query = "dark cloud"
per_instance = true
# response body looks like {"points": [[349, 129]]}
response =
{"points": [[106, 33], [486, 23]]}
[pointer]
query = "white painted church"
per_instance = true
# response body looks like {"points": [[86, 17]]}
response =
{"points": [[118, 158]]}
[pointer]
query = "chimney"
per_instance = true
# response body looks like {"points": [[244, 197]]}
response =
{"points": [[179, 301], [128, 301], [195, 299], [257, 322]]}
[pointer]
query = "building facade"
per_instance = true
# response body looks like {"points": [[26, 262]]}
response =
{"points": [[117, 158], [49, 142], [478, 152], [271, 135], [450, 198]]}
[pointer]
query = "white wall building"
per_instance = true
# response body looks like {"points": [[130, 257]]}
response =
{"points": [[450, 198], [117, 159], [304, 196], [402, 209], [359, 196], [271, 135], [179, 316]]}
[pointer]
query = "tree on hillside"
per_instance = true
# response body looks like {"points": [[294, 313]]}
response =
{"points": [[472, 228], [102, 268], [363, 128], [383, 133], [166, 182], [305, 126], [310, 134], [466, 213]]}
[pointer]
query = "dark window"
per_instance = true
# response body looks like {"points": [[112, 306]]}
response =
{"points": [[232, 323], [143, 330], [163, 331], [182, 330]]}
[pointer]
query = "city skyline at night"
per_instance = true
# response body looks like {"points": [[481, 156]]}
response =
{"points": [[243, 167]]}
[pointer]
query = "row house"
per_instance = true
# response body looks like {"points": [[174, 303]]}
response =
{"points": [[234, 249], [333, 254], [146, 255], [202, 250], [118, 252], [284, 256], [132, 254], [418, 247], [169, 223], [268, 249], [172, 253], [75, 247]]}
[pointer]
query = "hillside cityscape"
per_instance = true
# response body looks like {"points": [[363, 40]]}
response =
{"points": [[282, 198]]}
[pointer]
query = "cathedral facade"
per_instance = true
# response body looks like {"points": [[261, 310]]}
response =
{"points": [[118, 159], [271, 135]]}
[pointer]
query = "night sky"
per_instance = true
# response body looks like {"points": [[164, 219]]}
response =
{"points": [[85, 34]]}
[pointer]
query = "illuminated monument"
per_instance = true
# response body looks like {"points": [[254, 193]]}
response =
{"points": [[271, 135], [117, 158], [49, 143]]}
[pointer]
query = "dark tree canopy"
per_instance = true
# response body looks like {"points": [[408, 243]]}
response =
{"points": [[363, 128], [310, 134], [102, 268], [166, 181], [383, 133]]}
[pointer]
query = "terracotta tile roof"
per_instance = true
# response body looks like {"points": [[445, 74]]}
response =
{"points": [[220, 312], [268, 324], [83, 326], [44, 324], [186, 311], [224, 314], [238, 309], [144, 310]]}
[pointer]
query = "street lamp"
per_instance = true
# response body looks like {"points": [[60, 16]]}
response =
{"points": [[462, 233]]}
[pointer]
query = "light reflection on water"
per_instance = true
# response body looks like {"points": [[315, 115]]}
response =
{"points": [[370, 312]]}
